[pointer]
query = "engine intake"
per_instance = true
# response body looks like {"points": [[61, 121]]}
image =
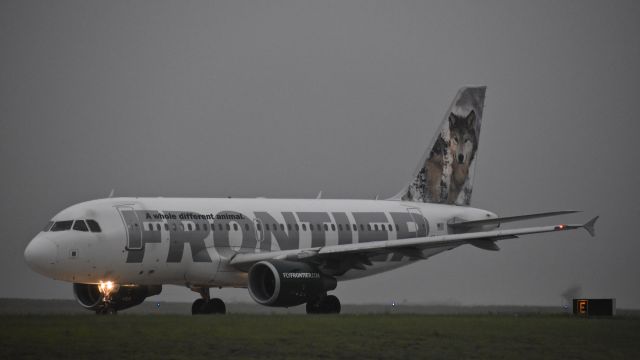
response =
{"points": [[90, 297], [287, 283]]}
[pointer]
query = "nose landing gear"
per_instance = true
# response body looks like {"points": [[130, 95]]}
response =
{"points": [[207, 305], [106, 289]]}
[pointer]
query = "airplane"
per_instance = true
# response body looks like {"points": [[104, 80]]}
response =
{"points": [[286, 252]]}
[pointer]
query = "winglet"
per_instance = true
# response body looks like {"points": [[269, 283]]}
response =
{"points": [[590, 226]]}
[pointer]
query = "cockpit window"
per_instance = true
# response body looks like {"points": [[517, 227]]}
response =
{"points": [[46, 228], [93, 225], [80, 225], [62, 225]]}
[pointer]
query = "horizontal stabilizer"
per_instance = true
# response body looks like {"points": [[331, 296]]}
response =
{"points": [[500, 220], [590, 226]]}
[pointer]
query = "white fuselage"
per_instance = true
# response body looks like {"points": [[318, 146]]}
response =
{"points": [[190, 241]]}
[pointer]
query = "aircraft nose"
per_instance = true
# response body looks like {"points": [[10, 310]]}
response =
{"points": [[41, 254]]}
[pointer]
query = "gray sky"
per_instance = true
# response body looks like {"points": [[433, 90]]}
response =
{"points": [[286, 98]]}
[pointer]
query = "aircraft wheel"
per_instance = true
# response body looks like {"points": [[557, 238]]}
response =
{"points": [[198, 307], [331, 305], [111, 311], [325, 305], [217, 306], [107, 311], [313, 307]]}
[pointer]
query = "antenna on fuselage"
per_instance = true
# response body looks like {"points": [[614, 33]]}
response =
{"points": [[112, 192], [319, 195]]}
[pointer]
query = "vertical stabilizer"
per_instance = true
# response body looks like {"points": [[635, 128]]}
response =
{"points": [[445, 173]]}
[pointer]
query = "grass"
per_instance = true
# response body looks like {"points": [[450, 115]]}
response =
{"points": [[318, 337]]}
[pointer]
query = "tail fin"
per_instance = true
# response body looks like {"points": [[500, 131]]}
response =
{"points": [[445, 173]]}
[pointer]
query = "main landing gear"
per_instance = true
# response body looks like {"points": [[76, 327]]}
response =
{"points": [[207, 305], [327, 304]]}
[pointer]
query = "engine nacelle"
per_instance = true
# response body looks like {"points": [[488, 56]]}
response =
{"points": [[287, 283], [90, 297]]}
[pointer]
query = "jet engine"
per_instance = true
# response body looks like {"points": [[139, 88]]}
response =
{"points": [[106, 297], [287, 283]]}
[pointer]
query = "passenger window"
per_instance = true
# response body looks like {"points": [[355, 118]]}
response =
{"points": [[368, 227], [150, 227], [266, 226], [297, 227], [197, 227], [340, 227], [246, 227], [48, 226], [175, 228], [362, 227], [259, 226], [205, 227], [397, 227], [282, 227], [375, 227], [189, 227], [220, 227], [166, 227], [333, 227], [182, 227], [235, 227], [289, 227], [80, 225], [304, 227], [228, 227], [158, 227], [355, 227], [93, 226], [275, 227], [62, 225]]}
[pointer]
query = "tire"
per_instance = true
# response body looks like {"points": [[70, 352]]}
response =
{"points": [[312, 307], [217, 306], [111, 311], [198, 307], [331, 305]]}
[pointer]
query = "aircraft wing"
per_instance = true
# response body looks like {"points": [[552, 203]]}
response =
{"points": [[347, 256], [466, 225]]}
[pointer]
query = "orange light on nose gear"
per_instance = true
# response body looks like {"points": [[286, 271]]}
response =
{"points": [[106, 288]]}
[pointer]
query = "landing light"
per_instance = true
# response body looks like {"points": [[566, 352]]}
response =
{"points": [[106, 288], [561, 226]]}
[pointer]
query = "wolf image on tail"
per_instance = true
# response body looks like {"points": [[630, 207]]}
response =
{"points": [[445, 173], [463, 145]]}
